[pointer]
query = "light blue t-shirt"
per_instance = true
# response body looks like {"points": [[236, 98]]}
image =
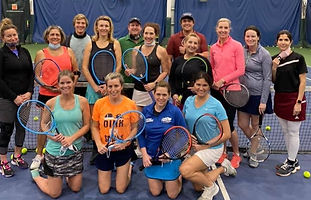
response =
{"points": [[211, 106], [67, 122]]}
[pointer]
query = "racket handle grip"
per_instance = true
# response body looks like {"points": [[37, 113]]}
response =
{"points": [[141, 168], [154, 162], [110, 147]]}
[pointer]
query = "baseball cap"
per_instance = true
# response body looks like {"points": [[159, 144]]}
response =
{"points": [[187, 15], [135, 19]]}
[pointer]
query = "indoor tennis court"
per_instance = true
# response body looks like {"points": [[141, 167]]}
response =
{"points": [[250, 183]]}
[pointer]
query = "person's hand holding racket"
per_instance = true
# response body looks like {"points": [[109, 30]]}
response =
{"points": [[235, 94], [175, 144], [146, 158], [135, 65], [36, 117], [207, 131], [219, 84], [46, 74]]}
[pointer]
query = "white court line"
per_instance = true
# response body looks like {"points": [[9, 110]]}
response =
{"points": [[221, 186]]}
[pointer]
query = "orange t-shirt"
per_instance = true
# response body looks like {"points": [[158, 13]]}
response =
{"points": [[49, 75], [106, 113]]}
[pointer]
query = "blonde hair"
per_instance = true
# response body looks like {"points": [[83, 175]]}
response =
{"points": [[224, 20], [66, 72], [114, 75], [6, 23], [48, 30], [95, 37], [192, 35], [78, 17]]}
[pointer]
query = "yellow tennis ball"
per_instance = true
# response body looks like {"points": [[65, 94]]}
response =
{"points": [[43, 151], [36, 118], [24, 150], [179, 97], [11, 156], [306, 174], [268, 128], [36, 150]]}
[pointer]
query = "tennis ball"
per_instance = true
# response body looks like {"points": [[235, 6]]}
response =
{"points": [[179, 97], [43, 151], [36, 118], [11, 156], [24, 150], [36, 150], [306, 174], [268, 128]]}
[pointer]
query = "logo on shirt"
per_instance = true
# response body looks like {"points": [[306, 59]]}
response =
{"points": [[109, 120], [166, 120], [149, 120]]}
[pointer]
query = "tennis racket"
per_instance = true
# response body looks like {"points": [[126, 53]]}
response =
{"points": [[235, 94], [46, 73], [258, 146], [134, 60], [207, 129], [103, 62], [190, 68], [175, 144], [36, 117], [126, 127]]}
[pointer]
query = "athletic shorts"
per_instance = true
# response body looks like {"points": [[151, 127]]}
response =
{"points": [[252, 106], [210, 156], [116, 158], [68, 166]]}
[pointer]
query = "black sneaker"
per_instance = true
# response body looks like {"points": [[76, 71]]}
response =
{"points": [[19, 161], [286, 169], [6, 170], [278, 166]]}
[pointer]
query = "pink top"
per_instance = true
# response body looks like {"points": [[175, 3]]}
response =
{"points": [[227, 61]]}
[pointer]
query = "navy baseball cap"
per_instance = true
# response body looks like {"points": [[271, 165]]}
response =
{"points": [[187, 15], [135, 19]]}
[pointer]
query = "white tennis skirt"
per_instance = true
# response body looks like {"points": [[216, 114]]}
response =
{"points": [[141, 98]]}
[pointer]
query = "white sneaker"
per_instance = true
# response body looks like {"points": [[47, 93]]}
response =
{"points": [[252, 161], [209, 192], [36, 162], [229, 170]]}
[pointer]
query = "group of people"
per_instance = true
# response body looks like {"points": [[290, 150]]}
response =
{"points": [[81, 111]]}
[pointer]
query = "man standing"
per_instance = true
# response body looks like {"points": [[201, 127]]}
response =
{"points": [[175, 46], [132, 39], [77, 42]]}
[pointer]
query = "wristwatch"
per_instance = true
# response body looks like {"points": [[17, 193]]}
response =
{"points": [[299, 101]]}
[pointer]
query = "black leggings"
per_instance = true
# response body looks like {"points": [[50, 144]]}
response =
{"points": [[7, 121], [230, 110]]}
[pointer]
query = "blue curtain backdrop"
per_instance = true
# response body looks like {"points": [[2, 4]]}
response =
{"points": [[61, 12], [308, 22], [270, 16]]}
